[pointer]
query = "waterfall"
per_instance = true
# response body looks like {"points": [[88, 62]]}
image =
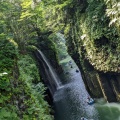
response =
{"points": [[54, 80]]}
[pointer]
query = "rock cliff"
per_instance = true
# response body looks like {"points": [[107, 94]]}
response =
{"points": [[93, 40]]}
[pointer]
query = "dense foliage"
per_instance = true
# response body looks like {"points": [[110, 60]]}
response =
{"points": [[89, 25], [31, 91], [92, 28], [59, 42], [21, 90], [92, 31], [22, 93]]}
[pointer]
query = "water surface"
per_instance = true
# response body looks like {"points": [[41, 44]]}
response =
{"points": [[70, 100]]}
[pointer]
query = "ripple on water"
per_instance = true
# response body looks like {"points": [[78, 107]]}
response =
{"points": [[70, 99]]}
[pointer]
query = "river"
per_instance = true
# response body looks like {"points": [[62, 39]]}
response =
{"points": [[70, 100]]}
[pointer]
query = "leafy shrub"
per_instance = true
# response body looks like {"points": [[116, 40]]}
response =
{"points": [[22, 93], [36, 107], [8, 52]]}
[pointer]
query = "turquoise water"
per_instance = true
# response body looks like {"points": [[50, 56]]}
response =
{"points": [[108, 111]]}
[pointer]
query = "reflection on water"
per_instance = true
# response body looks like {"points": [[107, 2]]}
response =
{"points": [[108, 111]]}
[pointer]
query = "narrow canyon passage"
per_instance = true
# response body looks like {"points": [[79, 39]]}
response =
{"points": [[70, 99]]}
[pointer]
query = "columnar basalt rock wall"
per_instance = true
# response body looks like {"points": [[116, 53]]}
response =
{"points": [[93, 41]]}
